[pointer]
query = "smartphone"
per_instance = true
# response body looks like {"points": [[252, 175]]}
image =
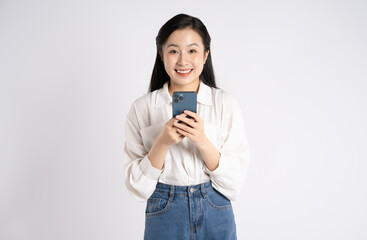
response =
{"points": [[182, 101]]}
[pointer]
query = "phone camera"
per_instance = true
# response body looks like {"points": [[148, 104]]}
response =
{"points": [[181, 98], [175, 96], [175, 100]]}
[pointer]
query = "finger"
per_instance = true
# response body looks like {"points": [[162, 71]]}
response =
{"points": [[194, 132], [179, 134], [172, 122], [174, 132], [183, 127], [193, 115], [186, 134], [186, 120]]}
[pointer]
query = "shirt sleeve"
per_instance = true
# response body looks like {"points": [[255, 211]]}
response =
{"points": [[139, 175], [229, 176]]}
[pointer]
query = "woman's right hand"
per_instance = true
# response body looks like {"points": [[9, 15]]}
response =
{"points": [[169, 134], [166, 138]]}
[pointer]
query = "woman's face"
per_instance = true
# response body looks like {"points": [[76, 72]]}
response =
{"points": [[184, 57]]}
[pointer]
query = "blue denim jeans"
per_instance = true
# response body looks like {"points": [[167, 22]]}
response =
{"points": [[189, 213]]}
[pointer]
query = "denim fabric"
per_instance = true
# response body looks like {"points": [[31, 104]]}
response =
{"points": [[189, 213]]}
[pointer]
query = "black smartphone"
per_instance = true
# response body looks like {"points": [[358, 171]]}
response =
{"points": [[182, 101]]}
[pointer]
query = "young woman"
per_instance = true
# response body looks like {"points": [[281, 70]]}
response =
{"points": [[187, 171]]}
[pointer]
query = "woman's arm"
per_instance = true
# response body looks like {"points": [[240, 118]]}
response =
{"points": [[166, 138], [229, 176], [228, 165], [139, 175], [141, 169], [210, 154], [194, 129]]}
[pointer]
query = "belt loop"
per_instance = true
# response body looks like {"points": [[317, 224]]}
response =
{"points": [[202, 190], [172, 193]]}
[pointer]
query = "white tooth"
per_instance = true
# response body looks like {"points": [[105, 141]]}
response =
{"points": [[184, 71]]}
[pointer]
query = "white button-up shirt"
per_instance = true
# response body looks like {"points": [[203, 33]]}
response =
{"points": [[184, 165]]}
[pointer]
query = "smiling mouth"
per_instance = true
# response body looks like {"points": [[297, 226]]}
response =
{"points": [[183, 71]]}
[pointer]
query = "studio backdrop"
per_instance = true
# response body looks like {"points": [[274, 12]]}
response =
{"points": [[70, 70]]}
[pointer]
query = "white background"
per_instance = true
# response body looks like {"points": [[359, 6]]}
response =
{"points": [[70, 70]]}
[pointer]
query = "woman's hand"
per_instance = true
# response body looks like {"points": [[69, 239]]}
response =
{"points": [[166, 138], [169, 135], [193, 128]]}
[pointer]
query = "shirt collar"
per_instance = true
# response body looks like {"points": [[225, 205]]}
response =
{"points": [[204, 95]]}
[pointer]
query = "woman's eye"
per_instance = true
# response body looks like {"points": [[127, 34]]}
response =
{"points": [[173, 51], [192, 51]]}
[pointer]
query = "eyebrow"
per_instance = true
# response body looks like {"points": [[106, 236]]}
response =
{"points": [[175, 45]]}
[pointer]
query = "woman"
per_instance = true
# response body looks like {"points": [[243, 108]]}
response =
{"points": [[187, 171]]}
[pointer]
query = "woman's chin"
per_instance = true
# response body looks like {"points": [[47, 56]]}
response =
{"points": [[183, 82]]}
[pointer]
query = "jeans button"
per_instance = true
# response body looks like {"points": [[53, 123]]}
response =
{"points": [[192, 190]]}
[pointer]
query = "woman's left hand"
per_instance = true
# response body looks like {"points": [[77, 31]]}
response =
{"points": [[193, 128]]}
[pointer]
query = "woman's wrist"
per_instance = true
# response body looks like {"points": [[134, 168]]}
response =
{"points": [[205, 145], [210, 154], [161, 144], [157, 154]]}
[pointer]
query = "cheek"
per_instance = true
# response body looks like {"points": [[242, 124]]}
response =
{"points": [[199, 57], [198, 62], [167, 64], [169, 61]]}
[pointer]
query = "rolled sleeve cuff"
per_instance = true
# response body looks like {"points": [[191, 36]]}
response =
{"points": [[216, 173], [148, 170]]}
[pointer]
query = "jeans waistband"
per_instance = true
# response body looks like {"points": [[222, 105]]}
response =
{"points": [[184, 189]]}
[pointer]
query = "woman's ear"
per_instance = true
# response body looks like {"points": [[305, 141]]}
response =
{"points": [[206, 54]]}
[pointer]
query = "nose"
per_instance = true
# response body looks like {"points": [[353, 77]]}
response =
{"points": [[182, 60]]}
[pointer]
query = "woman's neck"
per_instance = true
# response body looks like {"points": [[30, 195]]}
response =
{"points": [[194, 86]]}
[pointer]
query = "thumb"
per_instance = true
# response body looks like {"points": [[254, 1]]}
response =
{"points": [[173, 120]]}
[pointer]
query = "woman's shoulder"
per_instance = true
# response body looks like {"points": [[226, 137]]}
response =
{"points": [[146, 100]]}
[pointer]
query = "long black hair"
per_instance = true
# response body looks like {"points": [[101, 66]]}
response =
{"points": [[180, 21]]}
